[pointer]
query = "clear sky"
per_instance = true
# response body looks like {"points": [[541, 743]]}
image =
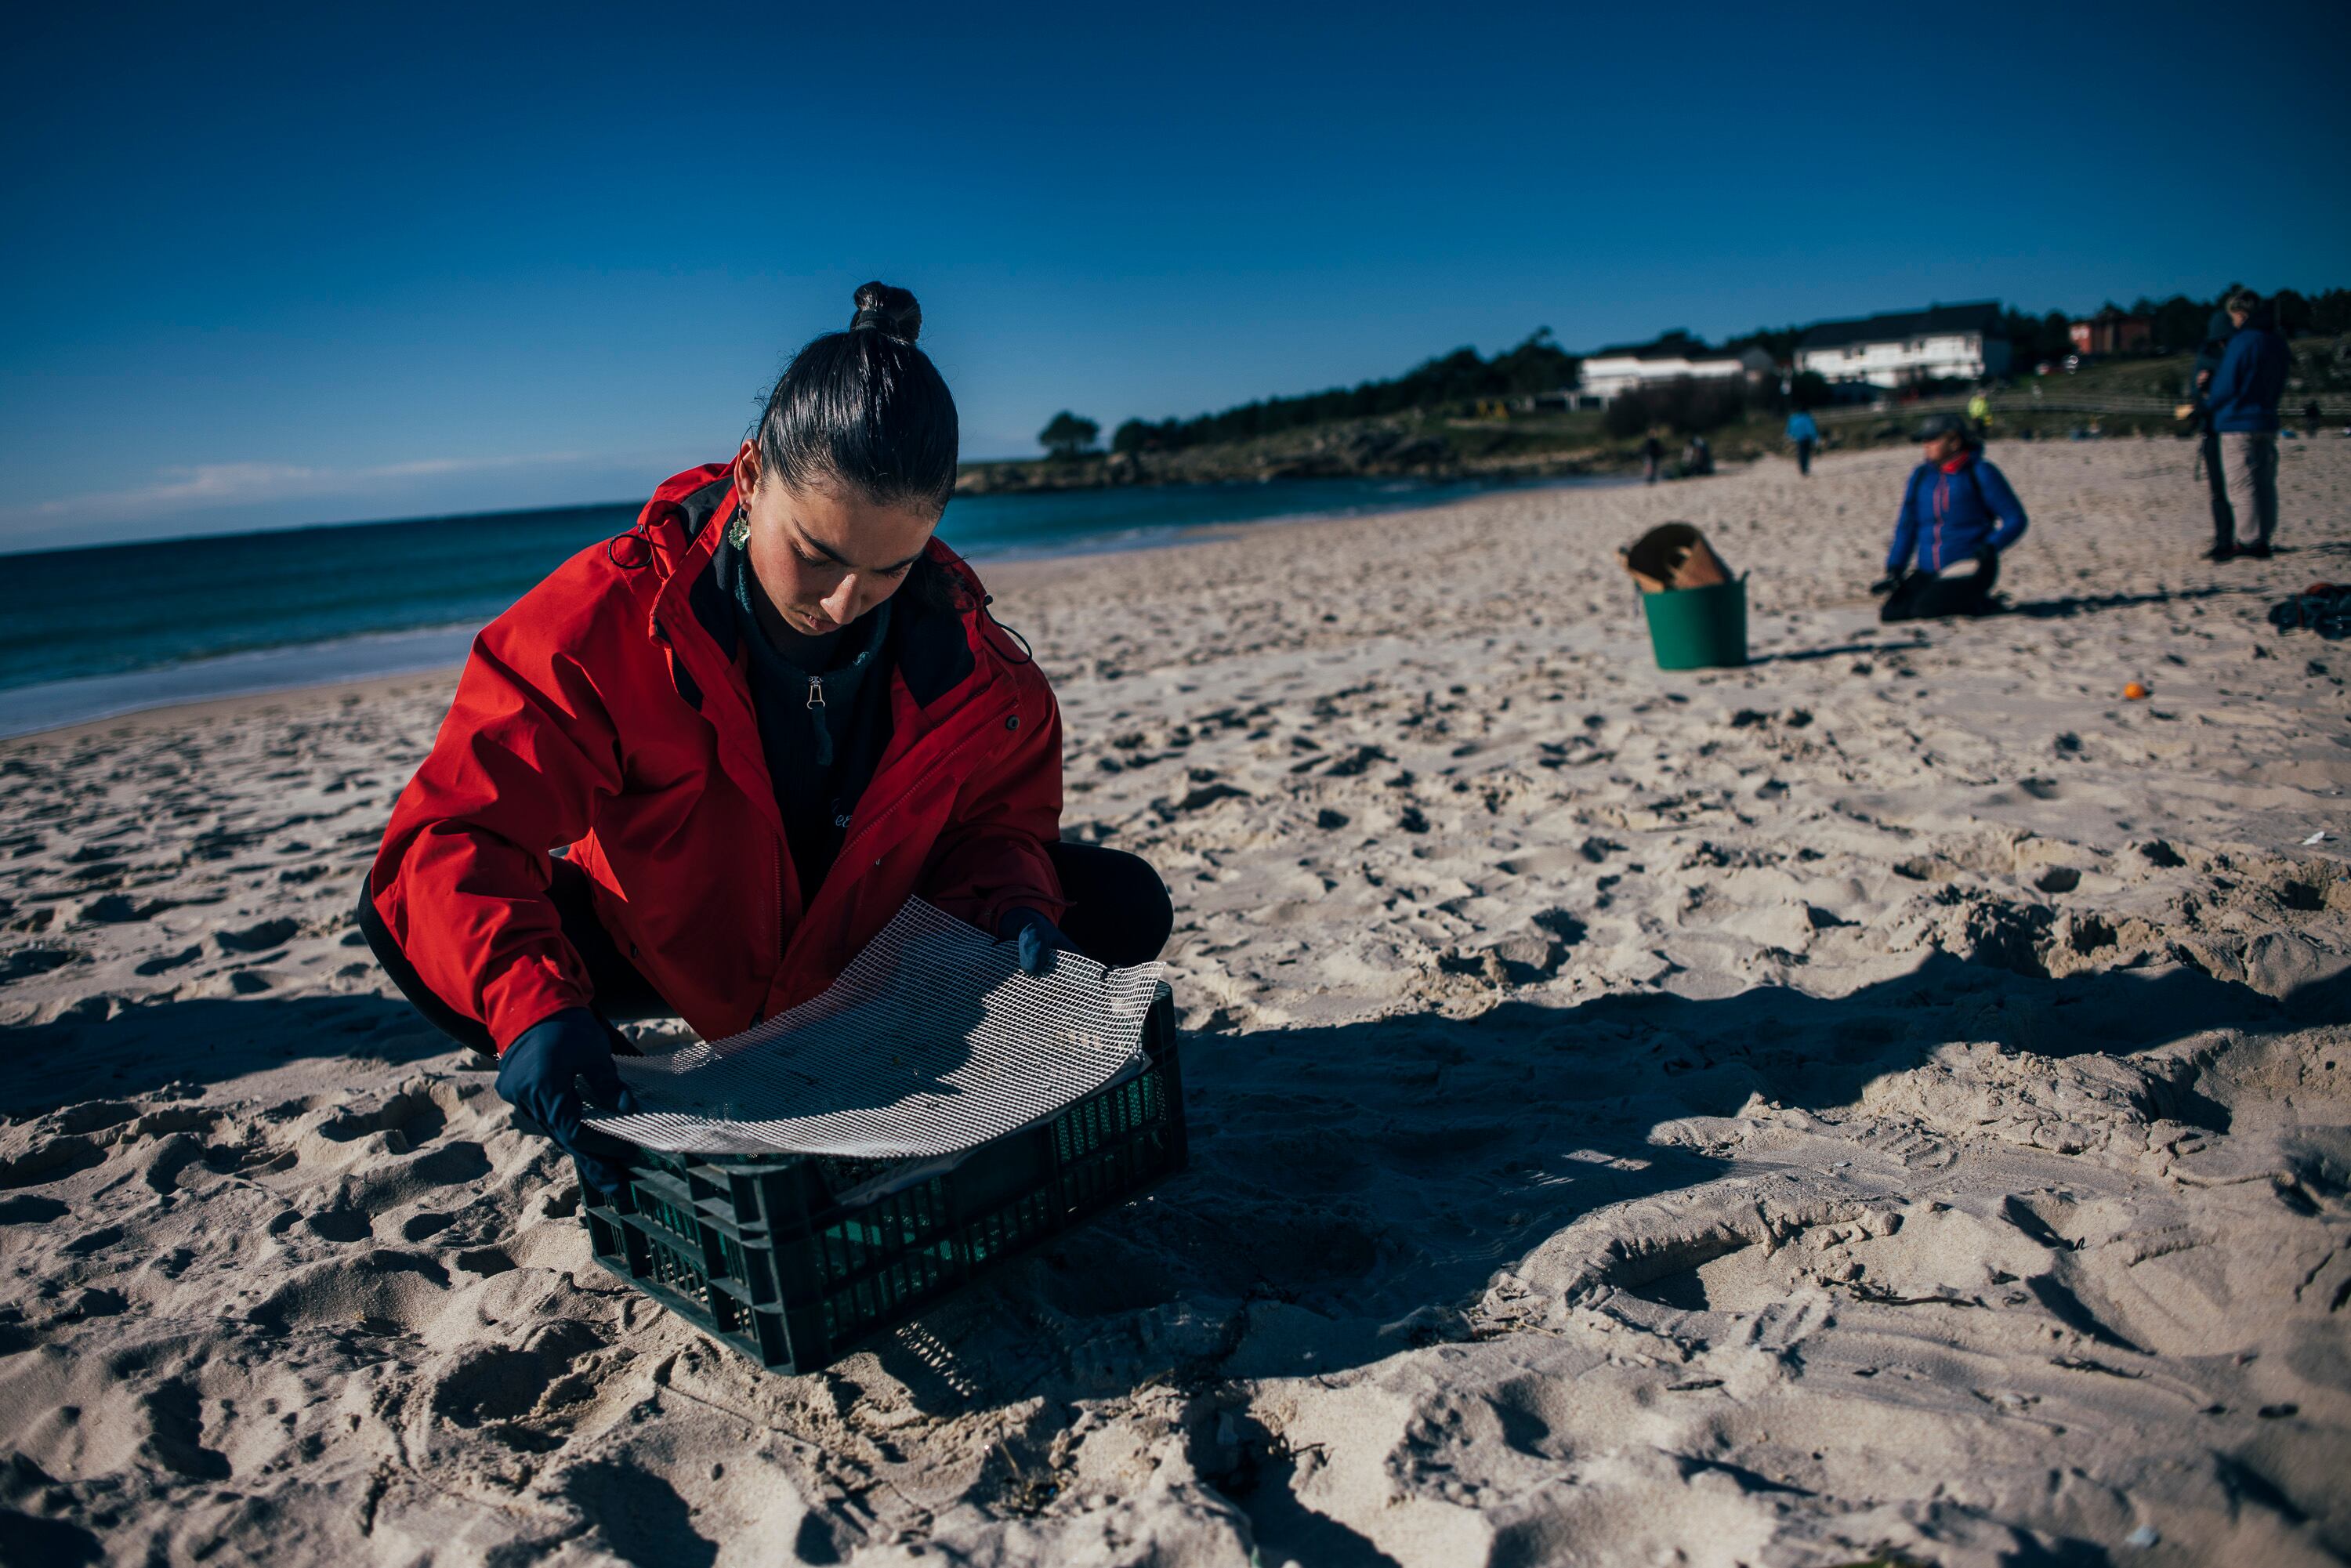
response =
{"points": [[363, 261]]}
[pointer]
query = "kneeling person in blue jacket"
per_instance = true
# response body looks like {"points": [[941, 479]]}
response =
{"points": [[1958, 515]]}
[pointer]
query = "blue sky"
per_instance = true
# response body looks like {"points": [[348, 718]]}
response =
{"points": [[335, 263]]}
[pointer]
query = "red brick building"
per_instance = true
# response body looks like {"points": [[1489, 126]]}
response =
{"points": [[2112, 332]]}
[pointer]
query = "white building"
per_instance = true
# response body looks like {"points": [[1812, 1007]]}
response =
{"points": [[1607, 372], [1943, 342]]}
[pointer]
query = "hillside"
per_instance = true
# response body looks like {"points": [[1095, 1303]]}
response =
{"points": [[2114, 397]]}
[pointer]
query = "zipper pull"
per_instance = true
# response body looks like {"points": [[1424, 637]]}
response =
{"points": [[816, 692]]}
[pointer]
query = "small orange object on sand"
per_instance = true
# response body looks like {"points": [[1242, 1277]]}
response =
{"points": [[2135, 693]]}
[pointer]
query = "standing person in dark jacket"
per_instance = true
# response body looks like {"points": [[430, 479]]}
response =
{"points": [[2242, 400], [1653, 452], [700, 766], [1958, 514], [2216, 333]]}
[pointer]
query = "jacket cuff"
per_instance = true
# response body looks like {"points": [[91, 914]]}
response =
{"points": [[528, 993], [1045, 903], [987, 910], [579, 1021], [1014, 906]]}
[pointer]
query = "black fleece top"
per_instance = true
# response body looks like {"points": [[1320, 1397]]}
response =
{"points": [[823, 705]]}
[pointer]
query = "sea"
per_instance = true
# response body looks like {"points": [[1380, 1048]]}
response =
{"points": [[91, 634]]}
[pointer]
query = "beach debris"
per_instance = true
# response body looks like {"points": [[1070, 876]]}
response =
{"points": [[2316, 838], [1696, 611], [2145, 1536], [2133, 693], [1673, 556], [2323, 607]]}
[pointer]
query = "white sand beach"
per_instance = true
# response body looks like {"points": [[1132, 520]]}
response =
{"points": [[1894, 1099]]}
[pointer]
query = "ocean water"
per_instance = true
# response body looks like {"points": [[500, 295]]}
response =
{"points": [[87, 633]]}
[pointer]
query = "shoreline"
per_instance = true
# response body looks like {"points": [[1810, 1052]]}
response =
{"points": [[51, 708]]}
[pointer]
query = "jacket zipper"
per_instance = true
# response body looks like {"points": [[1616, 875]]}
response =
{"points": [[783, 946], [778, 885], [1942, 505], [842, 857], [816, 700], [976, 731]]}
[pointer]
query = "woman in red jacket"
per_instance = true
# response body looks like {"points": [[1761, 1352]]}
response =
{"points": [[701, 764]]}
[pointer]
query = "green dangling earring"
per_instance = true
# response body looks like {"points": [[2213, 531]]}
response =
{"points": [[738, 532]]}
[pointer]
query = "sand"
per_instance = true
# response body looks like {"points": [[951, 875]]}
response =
{"points": [[1893, 1098]]}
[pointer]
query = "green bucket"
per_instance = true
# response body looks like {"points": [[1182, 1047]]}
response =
{"points": [[1698, 627]]}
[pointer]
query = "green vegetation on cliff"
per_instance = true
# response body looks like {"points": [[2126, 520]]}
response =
{"points": [[1537, 365], [1461, 414]]}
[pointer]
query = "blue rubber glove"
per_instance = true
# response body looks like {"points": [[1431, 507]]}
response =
{"points": [[541, 1075], [1038, 937]]}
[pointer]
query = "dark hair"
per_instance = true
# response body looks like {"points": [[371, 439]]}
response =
{"points": [[866, 407]]}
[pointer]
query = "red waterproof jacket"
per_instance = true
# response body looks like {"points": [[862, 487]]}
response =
{"points": [[608, 711]]}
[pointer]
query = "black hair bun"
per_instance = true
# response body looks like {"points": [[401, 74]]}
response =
{"points": [[887, 310]]}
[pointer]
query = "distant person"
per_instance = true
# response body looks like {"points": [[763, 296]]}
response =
{"points": [[1958, 515], [1698, 457], [2243, 400], [1653, 452], [1804, 435], [2312, 417], [2216, 333], [1979, 414], [699, 766]]}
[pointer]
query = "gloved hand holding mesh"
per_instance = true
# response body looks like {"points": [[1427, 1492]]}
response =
{"points": [[1038, 937], [543, 1074]]}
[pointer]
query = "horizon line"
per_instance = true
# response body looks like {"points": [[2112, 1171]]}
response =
{"points": [[8, 553]]}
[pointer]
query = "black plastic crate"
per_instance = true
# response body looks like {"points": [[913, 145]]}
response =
{"points": [[787, 1260]]}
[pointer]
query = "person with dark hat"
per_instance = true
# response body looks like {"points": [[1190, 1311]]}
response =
{"points": [[1958, 514]]}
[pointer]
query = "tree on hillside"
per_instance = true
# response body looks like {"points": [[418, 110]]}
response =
{"points": [[1685, 407], [1068, 434], [2294, 312], [2056, 335], [2180, 323], [1459, 381], [1780, 343], [1537, 365]]}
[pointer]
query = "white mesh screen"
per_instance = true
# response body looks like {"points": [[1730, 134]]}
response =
{"points": [[931, 1043]]}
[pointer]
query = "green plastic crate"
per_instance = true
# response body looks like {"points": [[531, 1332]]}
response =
{"points": [[780, 1259]]}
